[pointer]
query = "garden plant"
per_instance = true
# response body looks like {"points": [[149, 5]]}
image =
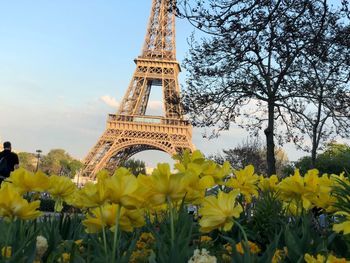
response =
{"points": [[198, 211]]}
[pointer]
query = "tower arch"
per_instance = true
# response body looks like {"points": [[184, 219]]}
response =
{"points": [[131, 129]]}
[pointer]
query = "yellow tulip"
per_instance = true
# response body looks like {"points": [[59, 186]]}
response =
{"points": [[6, 252], [218, 212], [92, 195], [333, 259], [254, 248], [65, 258], [195, 163], [268, 183], [122, 185], [324, 198], [205, 239], [61, 187], [294, 188], [219, 173], [165, 186], [246, 181], [279, 255], [195, 187], [12, 204], [322, 259], [143, 192], [128, 219], [186, 158], [26, 181], [345, 225], [131, 219]]}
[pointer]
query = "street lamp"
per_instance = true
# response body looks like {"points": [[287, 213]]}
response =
{"points": [[38, 152]]}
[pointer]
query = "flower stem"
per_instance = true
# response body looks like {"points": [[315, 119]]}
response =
{"points": [[246, 244], [242, 230], [103, 231], [172, 230], [116, 232], [8, 236]]}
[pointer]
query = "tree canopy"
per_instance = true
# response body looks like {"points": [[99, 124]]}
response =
{"points": [[249, 66], [59, 162], [333, 160]]}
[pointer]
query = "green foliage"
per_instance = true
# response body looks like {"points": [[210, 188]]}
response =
{"points": [[20, 236], [182, 247], [342, 193], [334, 160], [268, 219], [135, 166], [251, 151], [59, 162], [27, 161]]}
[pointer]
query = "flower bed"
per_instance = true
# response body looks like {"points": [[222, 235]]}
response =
{"points": [[202, 212]]}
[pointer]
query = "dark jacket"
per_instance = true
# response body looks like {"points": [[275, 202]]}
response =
{"points": [[11, 159]]}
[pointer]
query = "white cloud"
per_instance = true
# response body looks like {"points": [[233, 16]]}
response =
{"points": [[110, 101]]}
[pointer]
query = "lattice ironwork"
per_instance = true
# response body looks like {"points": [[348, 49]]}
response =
{"points": [[130, 131]]}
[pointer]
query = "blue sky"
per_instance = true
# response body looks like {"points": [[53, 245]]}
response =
{"points": [[65, 64]]}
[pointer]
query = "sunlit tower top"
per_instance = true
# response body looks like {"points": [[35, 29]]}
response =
{"points": [[160, 35]]}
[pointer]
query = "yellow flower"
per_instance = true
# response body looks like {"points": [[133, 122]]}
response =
{"points": [[6, 252], [292, 208], [279, 255], [246, 181], [300, 189], [333, 259], [122, 185], [254, 249], [78, 242], [140, 255], [128, 220], [26, 182], [147, 237], [269, 183], [195, 164], [92, 195], [187, 158], [219, 173], [322, 259], [143, 191], [219, 212], [344, 226], [61, 187], [12, 204], [65, 257], [165, 185], [205, 239], [196, 187], [310, 259], [324, 199], [228, 248]]}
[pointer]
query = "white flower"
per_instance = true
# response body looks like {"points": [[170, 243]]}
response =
{"points": [[202, 257], [41, 246]]}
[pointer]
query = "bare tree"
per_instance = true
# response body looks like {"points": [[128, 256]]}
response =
{"points": [[252, 52], [325, 77]]}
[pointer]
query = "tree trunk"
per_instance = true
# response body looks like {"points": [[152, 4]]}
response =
{"points": [[270, 145], [313, 150]]}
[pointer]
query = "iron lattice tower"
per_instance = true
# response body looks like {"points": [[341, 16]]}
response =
{"points": [[130, 130]]}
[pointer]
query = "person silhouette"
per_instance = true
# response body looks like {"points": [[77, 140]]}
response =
{"points": [[8, 161]]}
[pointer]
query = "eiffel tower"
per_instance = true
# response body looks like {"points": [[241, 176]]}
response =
{"points": [[130, 130]]}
